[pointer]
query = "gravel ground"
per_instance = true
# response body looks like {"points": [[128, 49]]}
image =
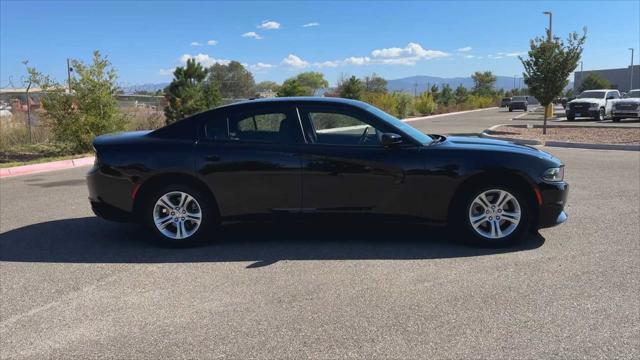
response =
{"points": [[574, 134]]}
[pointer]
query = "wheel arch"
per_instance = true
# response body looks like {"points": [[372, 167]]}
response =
{"points": [[147, 187], [520, 181]]}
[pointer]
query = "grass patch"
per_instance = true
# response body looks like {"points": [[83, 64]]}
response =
{"points": [[36, 153]]}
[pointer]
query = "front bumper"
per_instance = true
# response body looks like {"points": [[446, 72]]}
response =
{"points": [[625, 113], [554, 198], [582, 113], [518, 106]]}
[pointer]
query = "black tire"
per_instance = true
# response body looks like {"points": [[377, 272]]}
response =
{"points": [[510, 109], [208, 223], [616, 119], [462, 223], [601, 115], [571, 117]]}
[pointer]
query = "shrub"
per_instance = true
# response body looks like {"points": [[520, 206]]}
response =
{"points": [[425, 104]]}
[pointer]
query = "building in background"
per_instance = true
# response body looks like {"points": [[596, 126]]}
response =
{"points": [[619, 78]]}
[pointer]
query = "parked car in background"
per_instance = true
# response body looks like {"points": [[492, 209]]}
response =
{"points": [[321, 157], [566, 100], [628, 107], [518, 103], [505, 102], [596, 104]]}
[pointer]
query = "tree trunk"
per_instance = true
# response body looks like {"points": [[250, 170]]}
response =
{"points": [[544, 124]]}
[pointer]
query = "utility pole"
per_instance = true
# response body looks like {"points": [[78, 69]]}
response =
{"points": [[514, 82], [631, 71], [69, 75], [25, 62]]}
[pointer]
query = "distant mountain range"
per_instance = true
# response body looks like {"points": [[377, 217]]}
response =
{"points": [[422, 82], [410, 84]]}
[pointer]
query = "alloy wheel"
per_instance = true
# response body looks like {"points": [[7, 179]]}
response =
{"points": [[495, 214], [177, 215]]}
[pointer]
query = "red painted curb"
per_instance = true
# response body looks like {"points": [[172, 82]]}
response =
{"points": [[50, 166]]}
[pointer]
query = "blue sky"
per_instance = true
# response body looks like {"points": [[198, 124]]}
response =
{"points": [[146, 40]]}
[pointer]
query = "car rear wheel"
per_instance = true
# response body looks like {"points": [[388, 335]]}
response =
{"points": [[510, 109], [571, 117], [179, 215], [496, 215]]}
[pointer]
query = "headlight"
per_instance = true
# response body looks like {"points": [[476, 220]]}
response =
{"points": [[593, 105], [554, 174]]}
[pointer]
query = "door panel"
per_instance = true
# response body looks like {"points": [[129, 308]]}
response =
{"points": [[254, 171]]}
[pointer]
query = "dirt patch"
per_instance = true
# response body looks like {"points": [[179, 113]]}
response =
{"points": [[573, 134]]}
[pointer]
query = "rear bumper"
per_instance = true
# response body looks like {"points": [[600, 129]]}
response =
{"points": [[518, 106], [554, 198], [109, 212]]}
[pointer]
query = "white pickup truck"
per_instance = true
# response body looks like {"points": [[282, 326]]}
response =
{"points": [[595, 104]]}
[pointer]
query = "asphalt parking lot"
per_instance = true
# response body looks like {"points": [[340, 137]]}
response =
{"points": [[73, 285]]}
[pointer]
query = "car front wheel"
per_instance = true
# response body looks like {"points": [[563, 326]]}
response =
{"points": [[601, 115], [495, 216], [179, 215]]}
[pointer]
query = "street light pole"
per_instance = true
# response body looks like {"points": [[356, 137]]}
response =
{"points": [[550, 34], [631, 71]]}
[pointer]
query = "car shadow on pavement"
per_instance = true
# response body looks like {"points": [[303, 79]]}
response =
{"points": [[93, 240]]}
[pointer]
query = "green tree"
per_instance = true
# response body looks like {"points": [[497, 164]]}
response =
{"points": [[375, 84], [189, 92], [312, 81], [267, 85], [434, 91], [548, 66], [351, 88], [568, 93], [461, 94], [446, 96], [483, 83], [89, 110], [425, 104], [404, 104], [291, 87], [594, 81], [232, 80]]}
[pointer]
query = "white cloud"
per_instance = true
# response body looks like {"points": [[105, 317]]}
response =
{"points": [[331, 64], [166, 72], [413, 51], [295, 62], [465, 49], [252, 34], [516, 53], [260, 67], [357, 60], [269, 25], [311, 24], [203, 59], [195, 43], [212, 42], [469, 56]]}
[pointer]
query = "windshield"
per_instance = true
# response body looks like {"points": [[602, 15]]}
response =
{"points": [[423, 138], [519, 98], [592, 95], [634, 94]]}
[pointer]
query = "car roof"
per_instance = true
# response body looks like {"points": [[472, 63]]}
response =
{"points": [[600, 90], [299, 100]]}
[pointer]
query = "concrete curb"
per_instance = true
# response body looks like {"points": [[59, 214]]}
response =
{"points": [[447, 114], [623, 147], [43, 167]]}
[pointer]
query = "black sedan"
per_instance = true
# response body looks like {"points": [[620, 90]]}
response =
{"points": [[319, 156]]}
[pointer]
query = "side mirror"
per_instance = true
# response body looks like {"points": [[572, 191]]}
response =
{"points": [[391, 139]]}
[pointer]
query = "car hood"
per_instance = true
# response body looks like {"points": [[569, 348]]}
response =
{"points": [[119, 138], [584, 100], [477, 143], [629, 101]]}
